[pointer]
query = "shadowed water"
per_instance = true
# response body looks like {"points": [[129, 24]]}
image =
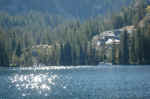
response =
{"points": [[88, 82]]}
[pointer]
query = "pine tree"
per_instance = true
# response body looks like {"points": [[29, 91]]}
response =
{"points": [[4, 58], [18, 50], [124, 49]]}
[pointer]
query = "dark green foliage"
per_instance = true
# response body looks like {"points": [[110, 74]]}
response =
{"points": [[70, 8], [134, 47], [18, 50], [67, 54], [36, 37], [4, 58], [144, 45], [124, 49]]}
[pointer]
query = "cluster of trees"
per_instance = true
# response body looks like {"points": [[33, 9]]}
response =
{"points": [[4, 59], [134, 47], [70, 8], [68, 41]]}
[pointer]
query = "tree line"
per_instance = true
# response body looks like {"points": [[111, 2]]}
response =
{"points": [[55, 40], [134, 47], [68, 41]]}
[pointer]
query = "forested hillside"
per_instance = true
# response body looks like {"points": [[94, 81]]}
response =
{"points": [[35, 34], [135, 46], [70, 8]]}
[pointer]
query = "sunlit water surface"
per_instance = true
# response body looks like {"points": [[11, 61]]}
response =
{"points": [[88, 82]]}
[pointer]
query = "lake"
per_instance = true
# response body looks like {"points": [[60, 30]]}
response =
{"points": [[81, 82]]}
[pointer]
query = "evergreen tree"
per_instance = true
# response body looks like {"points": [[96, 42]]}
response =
{"points": [[4, 58], [61, 54], [67, 54], [124, 49], [18, 50]]}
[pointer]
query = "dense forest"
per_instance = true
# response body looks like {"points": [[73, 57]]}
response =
{"points": [[81, 9], [134, 47], [31, 36]]}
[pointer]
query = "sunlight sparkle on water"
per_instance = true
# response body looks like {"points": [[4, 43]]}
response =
{"points": [[39, 83]]}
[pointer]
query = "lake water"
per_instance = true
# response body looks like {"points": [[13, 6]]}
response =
{"points": [[88, 82]]}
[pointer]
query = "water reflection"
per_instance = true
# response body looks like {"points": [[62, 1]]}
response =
{"points": [[41, 83], [79, 82]]}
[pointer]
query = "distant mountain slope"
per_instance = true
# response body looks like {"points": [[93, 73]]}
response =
{"points": [[75, 8]]}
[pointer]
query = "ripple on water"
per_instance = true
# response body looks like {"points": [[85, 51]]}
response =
{"points": [[37, 83], [76, 83]]}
